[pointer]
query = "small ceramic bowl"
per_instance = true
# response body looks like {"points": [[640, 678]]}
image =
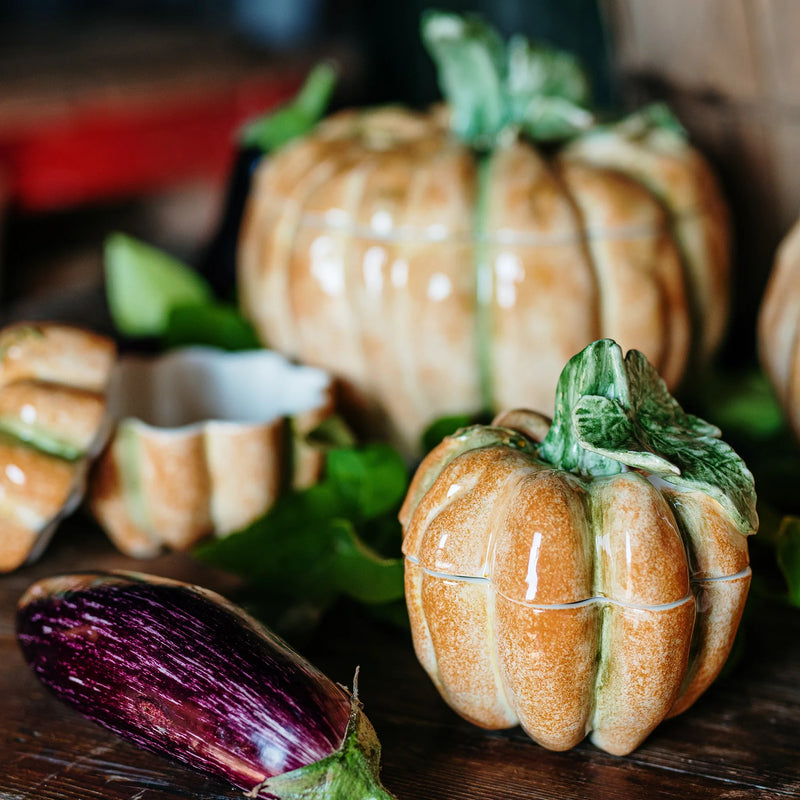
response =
{"points": [[205, 442], [53, 421]]}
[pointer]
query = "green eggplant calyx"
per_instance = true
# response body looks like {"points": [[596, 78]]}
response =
{"points": [[497, 90], [614, 412], [350, 773]]}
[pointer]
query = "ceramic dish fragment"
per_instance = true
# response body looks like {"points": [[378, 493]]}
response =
{"points": [[204, 443]]}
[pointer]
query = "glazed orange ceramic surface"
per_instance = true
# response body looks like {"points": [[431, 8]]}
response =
{"points": [[383, 249], [567, 605], [53, 421]]}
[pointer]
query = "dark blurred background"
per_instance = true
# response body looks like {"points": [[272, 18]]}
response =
{"points": [[123, 115]]}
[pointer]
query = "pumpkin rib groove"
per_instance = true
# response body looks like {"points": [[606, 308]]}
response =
{"points": [[597, 312], [268, 272], [351, 355], [420, 317], [633, 274], [681, 180], [405, 378], [275, 272]]}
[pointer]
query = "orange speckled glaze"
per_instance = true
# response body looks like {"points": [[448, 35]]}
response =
{"points": [[568, 605], [359, 247], [53, 379]]}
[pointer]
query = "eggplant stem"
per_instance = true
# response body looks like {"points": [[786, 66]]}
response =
{"points": [[349, 773]]}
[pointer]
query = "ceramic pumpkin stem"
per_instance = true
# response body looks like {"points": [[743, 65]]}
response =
{"points": [[613, 412]]}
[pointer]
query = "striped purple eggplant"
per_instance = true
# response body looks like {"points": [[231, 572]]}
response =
{"points": [[180, 671]]}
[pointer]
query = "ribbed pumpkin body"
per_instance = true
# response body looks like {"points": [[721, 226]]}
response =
{"points": [[562, 604], [434, 281], [779, 327]]}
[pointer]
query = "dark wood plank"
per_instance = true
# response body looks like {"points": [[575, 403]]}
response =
{"points": [[740, 741]]}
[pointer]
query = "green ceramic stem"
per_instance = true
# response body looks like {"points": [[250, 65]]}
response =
{"points": [[484, 281], [613, 412], [39, 439]]}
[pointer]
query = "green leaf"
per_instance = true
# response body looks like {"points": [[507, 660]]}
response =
{"points": [[296, 118], [597, 370], [743, 404], [548, 92], [496, 90], [332, 432], [213, 324], [611, 412], [470, 62], [330, 539], [144, 285], [371, 480], [788, 554], [446, 426]]}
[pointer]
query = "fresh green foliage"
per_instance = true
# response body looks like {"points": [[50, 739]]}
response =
{"points": [[150, 293], [444, 426], [296, 118], [213, 324], [612, 411], [339, 537], [144, 284], [743, 405], [496, 90], [788, 552]]}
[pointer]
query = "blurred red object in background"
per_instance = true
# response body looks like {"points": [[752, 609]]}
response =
{"points": [[127, 114]]}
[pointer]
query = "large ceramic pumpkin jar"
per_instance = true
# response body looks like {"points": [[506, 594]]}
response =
{"points": [[582, 576], [426, 257]]}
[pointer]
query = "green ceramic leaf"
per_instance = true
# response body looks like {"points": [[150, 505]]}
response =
{"points": [[296, 118], [612, 411], [40, 438], [470, 61], [144, 284], [547, 90], [597, 370], [497, 90]]}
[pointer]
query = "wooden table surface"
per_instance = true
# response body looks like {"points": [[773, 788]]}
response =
{"points": [[742, 740]]}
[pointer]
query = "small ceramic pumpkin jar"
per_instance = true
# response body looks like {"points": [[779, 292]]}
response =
{"points": [[582, 576], [779, 327], [424, 263]]}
